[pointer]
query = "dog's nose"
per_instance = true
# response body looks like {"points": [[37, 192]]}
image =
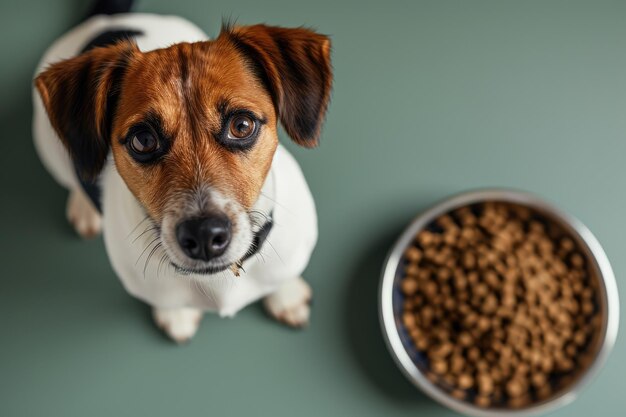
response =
{"points": [[204, 238]]}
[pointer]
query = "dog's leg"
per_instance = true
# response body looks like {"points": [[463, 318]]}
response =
{"points": [[290, 303], [82, 214], [180, 324]]}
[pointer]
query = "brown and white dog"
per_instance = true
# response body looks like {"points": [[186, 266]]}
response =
{"points": [[167, 142]]}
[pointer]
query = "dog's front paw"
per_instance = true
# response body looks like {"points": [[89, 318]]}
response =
{"points": [[180, 324], [82, 214], [290, 304]]}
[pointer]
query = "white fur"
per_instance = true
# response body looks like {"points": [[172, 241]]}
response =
{"points": [[178, 300], [180, 324], [290, 304]]}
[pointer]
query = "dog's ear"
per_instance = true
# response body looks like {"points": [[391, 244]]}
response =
{"points": [[294, 65], [80, 96]]}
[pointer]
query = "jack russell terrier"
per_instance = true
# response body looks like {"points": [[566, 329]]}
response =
{"points": [[167, 143]]}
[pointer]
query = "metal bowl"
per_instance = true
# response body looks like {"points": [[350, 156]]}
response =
{"points": [[413, 363]]}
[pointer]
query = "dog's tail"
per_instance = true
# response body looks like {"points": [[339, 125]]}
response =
{"points": [[110, 7]]}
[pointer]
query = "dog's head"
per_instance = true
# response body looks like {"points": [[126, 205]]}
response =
{"points": [[193, 127]]}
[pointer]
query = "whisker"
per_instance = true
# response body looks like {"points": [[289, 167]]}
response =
{"points": [[145, 249], [260, 213], [149, 229], [164, 258], [203, 290], [213, 296], [266, 218], [260, 255], [274, 249], [138, 224], [198, 287], [145, 266], [276, 202]]}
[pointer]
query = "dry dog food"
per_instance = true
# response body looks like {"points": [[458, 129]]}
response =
{"points": [[501, 303]]}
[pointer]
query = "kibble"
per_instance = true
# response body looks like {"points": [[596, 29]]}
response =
{"points": [[501, 303]]}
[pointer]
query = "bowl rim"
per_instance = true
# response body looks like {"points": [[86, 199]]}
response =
{"points": [[606, 277]]}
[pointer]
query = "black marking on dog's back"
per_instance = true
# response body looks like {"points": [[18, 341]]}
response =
{"points": [[111, 37], [110, 7]]}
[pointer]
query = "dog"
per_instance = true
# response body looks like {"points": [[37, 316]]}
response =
{"points": [[167, 142]]}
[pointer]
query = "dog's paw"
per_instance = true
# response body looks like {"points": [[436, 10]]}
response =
{"points": [[290, 304], [180, 324], [82, 214]]}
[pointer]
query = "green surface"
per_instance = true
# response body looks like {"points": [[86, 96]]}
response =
{"points": [[430, 98]]}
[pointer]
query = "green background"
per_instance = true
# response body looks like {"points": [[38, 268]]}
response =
{"points": [[430, 98]]}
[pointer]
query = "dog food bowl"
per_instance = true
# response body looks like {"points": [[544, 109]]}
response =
{"points": [[414, 364]]}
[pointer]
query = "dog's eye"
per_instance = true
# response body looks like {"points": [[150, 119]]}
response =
{"points": [[240, 130], [144, 142], [241, 126]]}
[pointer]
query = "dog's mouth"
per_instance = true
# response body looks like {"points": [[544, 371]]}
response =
{"points": [[209, 270]]}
